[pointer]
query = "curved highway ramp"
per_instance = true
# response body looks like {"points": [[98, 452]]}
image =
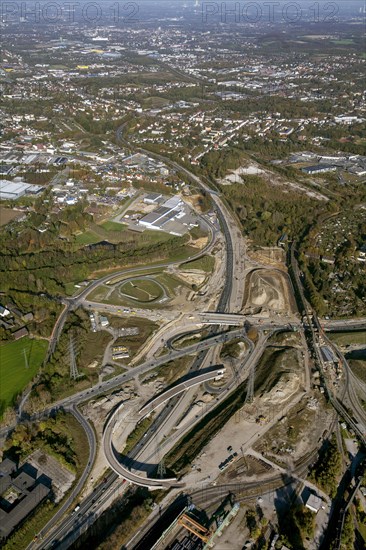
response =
{"points": [[198, 378], [112, 456]]}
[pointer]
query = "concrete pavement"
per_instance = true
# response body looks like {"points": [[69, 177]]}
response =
{"points": [[149, 407]]}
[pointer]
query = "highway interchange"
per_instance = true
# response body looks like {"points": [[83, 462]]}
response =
{"points": [[230, 300], [227, 313]]}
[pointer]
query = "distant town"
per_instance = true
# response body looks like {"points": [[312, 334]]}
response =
{"points": [[183, 276]]}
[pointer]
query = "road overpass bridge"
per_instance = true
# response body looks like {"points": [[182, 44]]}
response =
{"points": [[213, 318], [111, 453], [112, 457], [198, 378]]}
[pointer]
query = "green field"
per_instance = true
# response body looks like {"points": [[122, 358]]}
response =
{"points": [[358, 367], [170, 282], [348, 338], [145, 291], [141, 290], [88, 237], [206, 263], [343, 41], [14, 374], [113, 226]]}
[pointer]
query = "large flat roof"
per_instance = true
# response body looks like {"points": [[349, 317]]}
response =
{"points": [[15, 189], [10, 519]]}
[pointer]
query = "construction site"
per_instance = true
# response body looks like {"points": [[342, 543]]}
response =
{"points": [[192, 529], [268, 290]]}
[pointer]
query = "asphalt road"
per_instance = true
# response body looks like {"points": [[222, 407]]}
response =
{"points": [[116, 382], [175, 390], [229, 297], [139, 479], [73, 521], [42, 535], [230, 231], [75, 301]]}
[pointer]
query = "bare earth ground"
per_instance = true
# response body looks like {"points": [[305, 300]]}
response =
{"points": [[7, 215], [270, 256], [268, 289], [270, 177]]}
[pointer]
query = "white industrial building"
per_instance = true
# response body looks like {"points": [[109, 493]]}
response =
{"points": [[12, 190], [153, 198], [314, 503], [4, 311], [169, 210]]}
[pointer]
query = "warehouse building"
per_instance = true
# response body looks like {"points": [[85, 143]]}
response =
{"points": [[319, 169], [314, 503], [153, 198], [170, 209], [13, 190]]}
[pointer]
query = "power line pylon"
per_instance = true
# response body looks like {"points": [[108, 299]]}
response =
{"points": [[74, 373], [250, 388], [161, 465], [25, 359], [161, 468]]}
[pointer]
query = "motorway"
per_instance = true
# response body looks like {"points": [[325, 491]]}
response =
{"points": [[198, 378], [146, 450], [111, 384], [230, 300], [75, 301], [112, 457], [82, 479], [89, 509], [232, 294], [229, 303]]}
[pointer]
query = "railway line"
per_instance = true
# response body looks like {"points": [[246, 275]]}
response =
{"points": [[227, 302]]}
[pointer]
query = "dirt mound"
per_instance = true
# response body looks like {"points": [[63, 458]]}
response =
{"points": [[268, 289], [277, 377]]}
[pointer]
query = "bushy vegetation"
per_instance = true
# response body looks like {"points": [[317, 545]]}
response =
{"points": [[54, 380], [231, 349], [267, 211], [24, 535], [252, 523], [137, 433], [328, 468], [61, 437], [297, 524], [348, 535], [37, 267], [350, 281], [361, 518], [117, 524]]}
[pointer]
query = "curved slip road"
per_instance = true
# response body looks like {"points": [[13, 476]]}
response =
{"points": [[179, 388], [112, 457]]}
